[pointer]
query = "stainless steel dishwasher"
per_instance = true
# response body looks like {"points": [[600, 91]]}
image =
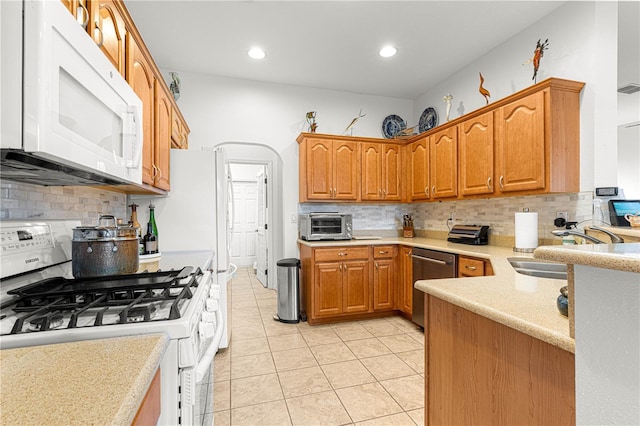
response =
{"points": [[429, 265]]}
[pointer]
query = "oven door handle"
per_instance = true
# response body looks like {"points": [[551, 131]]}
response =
{"points": [[205, 362]]}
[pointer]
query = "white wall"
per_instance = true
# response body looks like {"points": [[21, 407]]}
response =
{"points": [[220, 110], [582, 46]]}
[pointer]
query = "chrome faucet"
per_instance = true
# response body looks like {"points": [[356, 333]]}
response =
{"points": [[615, 239], [565, 232]]}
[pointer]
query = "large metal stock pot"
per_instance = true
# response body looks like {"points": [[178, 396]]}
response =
{"points": [[106, 249]]}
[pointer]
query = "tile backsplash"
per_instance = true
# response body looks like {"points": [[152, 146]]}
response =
{"points": [[32, 202], [498, 213]]}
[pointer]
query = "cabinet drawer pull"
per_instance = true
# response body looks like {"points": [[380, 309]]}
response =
{"points": [[342, 254], [471, 268], [501, 182], [383, 252]]}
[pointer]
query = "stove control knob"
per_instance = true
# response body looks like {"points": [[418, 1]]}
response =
{"points": [[212, 305], [209, 316], [206, 330]]}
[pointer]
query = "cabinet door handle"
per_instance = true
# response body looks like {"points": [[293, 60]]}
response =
{"points": [[380, 193], [501, 181], [433, 190], [341, 267], [384, 193], [99, 43], [85, 15], [489, 183], [376, 265], [471, 268], [426, 191]]}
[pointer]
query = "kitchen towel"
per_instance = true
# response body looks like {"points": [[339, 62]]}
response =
{"points": [[526, 230]]}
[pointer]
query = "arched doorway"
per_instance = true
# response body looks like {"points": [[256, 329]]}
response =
{"points": [[269, 241]]}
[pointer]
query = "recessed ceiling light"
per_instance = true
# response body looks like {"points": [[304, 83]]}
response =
{"points": [[388, 51], [256, 53]]}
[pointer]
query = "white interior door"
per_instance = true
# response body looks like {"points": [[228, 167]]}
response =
{"points": [[243, 243], [262, 234]]}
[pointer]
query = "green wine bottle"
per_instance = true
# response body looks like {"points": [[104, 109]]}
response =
{"points": [[153, 226]]}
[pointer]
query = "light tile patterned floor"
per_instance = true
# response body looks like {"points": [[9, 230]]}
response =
{"points": [[353, 373]]}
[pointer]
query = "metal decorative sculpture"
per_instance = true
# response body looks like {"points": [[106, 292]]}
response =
{"points": [[353, 122], [538, 53], [484, 92], [311, 119], [174, 87]]}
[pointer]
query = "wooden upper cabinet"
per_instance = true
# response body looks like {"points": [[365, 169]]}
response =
{"points": [[443, 159], [162, 136], [418, 159], [521, 151], [179, 130], [345, 170], [329, 170], [107, 28], [371, 172], [476, 155], [141, 78], [381, 172]]}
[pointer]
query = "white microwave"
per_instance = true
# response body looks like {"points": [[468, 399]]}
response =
{"points": [[67, 116]]}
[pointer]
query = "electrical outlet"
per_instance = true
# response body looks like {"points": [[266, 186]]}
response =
{"points": [[294, 218], [563, 215], [452, 216]]}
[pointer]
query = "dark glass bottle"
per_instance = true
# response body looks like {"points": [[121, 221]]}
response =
{"points": [[154, 227], [150, 241]]}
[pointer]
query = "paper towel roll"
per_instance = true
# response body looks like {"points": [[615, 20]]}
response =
{"points": [[526, 230]]}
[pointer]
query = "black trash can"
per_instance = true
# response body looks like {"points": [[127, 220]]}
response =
{"points": [[288, 291]]}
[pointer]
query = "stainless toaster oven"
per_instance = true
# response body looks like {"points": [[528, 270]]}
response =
{"points": [[325, 226]]}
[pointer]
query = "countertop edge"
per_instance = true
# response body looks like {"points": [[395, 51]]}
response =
{"points": [[134, 398], [531, 329], [621, 257]]}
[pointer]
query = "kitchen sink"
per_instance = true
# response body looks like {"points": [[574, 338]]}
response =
{"points": [[539, 268]]}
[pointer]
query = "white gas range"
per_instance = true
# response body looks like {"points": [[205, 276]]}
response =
{"points": [[41, 303]]}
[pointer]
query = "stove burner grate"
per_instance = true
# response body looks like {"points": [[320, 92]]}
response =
{"points": [[134, 295]]}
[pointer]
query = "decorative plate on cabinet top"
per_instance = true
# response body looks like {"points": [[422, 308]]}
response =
{"points": [[392, 125], [428, 120]]}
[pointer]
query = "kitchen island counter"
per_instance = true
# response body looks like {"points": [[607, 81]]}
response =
{"points": [[87, 382], [524, 303]]}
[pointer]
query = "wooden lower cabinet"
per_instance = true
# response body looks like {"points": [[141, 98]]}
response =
{"points": [[384, 277], [149, 411], [340, 282], [404, 299], [480, 372], [473, 267]]}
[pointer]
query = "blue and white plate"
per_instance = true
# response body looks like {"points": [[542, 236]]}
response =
{"points": [[428, 120], [392, 125]]}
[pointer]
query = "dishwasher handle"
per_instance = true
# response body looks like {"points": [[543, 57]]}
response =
{"points": [[428, 259]]}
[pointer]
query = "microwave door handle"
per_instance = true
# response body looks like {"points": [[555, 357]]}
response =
{"points": [[133, 114], [205, 362]]}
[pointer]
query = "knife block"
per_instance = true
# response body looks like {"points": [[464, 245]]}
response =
{"points": [[407, 232]]}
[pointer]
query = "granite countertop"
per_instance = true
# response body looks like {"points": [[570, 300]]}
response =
{"points": [[524, 303], [88, 382], [622, 257]]}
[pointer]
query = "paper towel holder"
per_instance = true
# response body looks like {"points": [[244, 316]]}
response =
{"points": [[527, 250]]}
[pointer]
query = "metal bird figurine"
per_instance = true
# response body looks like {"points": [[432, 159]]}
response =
{"points": [[353, 122], [538, 53], [484, 92]]}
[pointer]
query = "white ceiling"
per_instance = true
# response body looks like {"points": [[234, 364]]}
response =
{"points": [[331, 45]]}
